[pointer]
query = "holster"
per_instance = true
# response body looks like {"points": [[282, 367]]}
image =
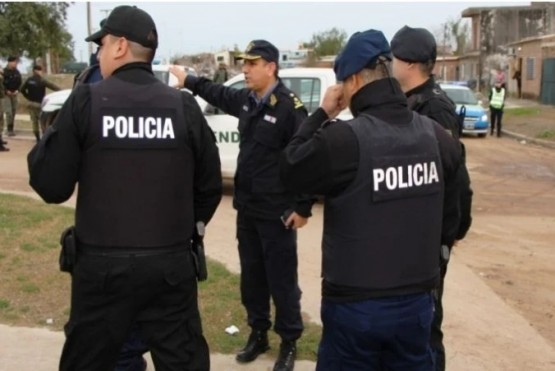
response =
{"points": [[197, 248], [68, 252]]}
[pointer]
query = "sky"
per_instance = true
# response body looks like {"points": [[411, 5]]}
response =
{"points": [[194, 27]]}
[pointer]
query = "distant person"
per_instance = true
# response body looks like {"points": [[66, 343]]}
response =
{"points": [[3, 143], [518, 77], [34, 90], [220, 76], [497, 97], [12, 83]]}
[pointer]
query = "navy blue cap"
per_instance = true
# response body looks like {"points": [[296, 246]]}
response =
{"points": [[415, 45], [260, 49], [362, 51]]}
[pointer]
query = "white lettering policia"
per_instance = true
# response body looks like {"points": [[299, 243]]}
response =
{"points": [[138, 127], [399, 177]]}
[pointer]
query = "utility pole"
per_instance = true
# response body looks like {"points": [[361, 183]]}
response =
{"points": [[89, 26], [444, 69]]}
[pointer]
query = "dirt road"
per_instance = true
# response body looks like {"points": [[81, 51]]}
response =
{"points": [[500, 294]]}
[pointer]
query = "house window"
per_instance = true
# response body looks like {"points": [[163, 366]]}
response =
{"points": [[530, 68]]}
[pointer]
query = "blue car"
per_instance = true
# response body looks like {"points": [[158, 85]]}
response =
{"points": [[476, 120]]}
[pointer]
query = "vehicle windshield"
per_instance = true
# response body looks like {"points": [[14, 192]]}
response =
{"points": [[461, 96]]}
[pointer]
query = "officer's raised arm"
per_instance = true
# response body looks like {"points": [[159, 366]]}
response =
{"points": [[227, 99]]}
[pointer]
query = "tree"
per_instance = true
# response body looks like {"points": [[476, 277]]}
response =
{"points": [[32, 29], [460, 34], [328, 42], [452, 35]]}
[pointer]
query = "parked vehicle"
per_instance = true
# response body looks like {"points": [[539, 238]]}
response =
{"points": [[476, 120]]}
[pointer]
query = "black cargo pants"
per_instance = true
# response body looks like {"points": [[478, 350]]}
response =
{"points": [[110, 294]]}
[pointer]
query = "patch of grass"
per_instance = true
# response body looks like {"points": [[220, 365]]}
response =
{"points": [[220, 307], [522, 111], [29, 247], [30, 288], [546, 134], [35, 284]]}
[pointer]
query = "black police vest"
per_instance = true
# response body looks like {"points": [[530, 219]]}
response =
{"points": [[384, 231], [136, 178]]}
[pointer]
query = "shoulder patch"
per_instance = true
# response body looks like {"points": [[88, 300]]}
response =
{"points": [[273, 100], [297, 102]]}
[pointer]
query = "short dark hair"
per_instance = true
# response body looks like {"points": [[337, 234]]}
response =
{"points": [[427, 68]]}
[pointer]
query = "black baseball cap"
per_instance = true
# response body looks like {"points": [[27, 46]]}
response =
{"points": [[260, 49], [415, 45], [130, 22]]}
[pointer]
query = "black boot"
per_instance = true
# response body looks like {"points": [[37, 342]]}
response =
{"points": [[287, 356], [256, 345], [3, 148]]}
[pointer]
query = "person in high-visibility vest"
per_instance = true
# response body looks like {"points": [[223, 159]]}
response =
{"points": [[496, 105]]}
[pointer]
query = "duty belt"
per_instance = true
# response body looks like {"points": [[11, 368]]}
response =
{"points": [[128, 252]]}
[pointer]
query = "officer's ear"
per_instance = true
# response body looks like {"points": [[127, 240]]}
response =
{"points": [[121, 47]]}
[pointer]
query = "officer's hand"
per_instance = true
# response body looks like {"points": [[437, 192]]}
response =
{"points": [[296, 221], [180, 74], [333, 101]]}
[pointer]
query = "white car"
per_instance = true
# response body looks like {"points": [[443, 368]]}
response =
{"points": [[309, 84]]}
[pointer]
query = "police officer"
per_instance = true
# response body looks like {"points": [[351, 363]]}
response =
{"points": [[384, 175], [34, 89], [148, 168], [269, 114], [414, 56], [496, 98], [12, 83], [3, 143]]}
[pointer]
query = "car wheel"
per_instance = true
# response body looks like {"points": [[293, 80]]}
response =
{"points": [[481, 135]]}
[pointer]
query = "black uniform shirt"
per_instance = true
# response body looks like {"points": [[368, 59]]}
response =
{"points": [[429, 100], [34, 88], [55, 161], [265, 128], [440, 108], [12, 79]]}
